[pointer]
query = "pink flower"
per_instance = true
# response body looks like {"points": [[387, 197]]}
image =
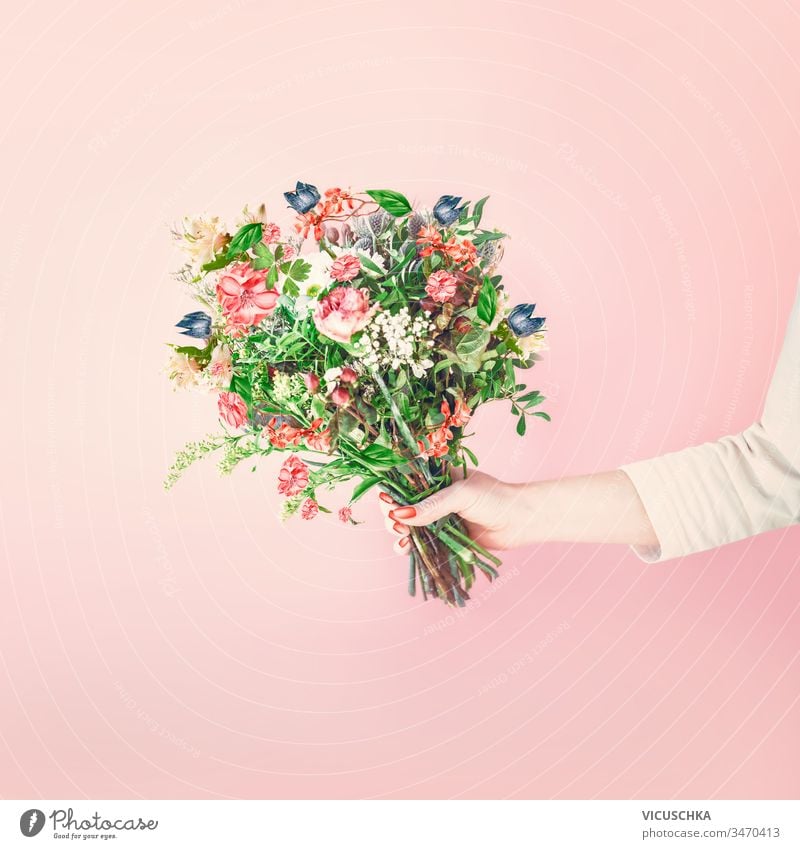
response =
{"points": [[311, 381], [345, 515], [232, 408], [441, 286], [270, 233], [293, 476], [343, 312], [288, 252], [309, 508], [348, 375], [242, 292], [340, 396], [345, 268], [220, 367]]}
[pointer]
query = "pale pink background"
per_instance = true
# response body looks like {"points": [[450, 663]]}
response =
{"points": [[644, 158]]}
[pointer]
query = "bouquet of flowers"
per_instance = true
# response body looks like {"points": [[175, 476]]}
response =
{"points": [[359, 346]]}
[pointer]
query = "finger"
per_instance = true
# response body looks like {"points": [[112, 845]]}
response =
{"points": [[451, 499], [395, 527], [401, 546], [386, 503]]}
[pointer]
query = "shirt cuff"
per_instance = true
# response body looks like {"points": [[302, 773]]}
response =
{"points": [[653, 490]]}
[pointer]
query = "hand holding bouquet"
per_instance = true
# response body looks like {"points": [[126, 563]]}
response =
{"points": [[360, 346]]}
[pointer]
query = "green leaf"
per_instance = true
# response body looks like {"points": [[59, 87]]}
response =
{"points": [[521, 425], [380, 457], [410, 255], [473, 343], [393, 202], [241, 385], [477, 213], [298, 270], [364, 487], [487, 302], [542, 415], [218, 262], [245, 238], [470, 455], [369, 264], [487, 236]]}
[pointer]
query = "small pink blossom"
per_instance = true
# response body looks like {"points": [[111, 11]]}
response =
{"points": [[345, 268], [232, 408], [340, 396], [441, 286], [242, 292], [348, 375], [288, 252], [220, 367], [311, 381], [309, 508], [343, 312], [345, 515], [293, 476], [270, 233]]}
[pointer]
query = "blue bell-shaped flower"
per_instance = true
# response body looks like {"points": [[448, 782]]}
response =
{"points": [[523, 322], [196, 324], [447, 210], [304, 198]]}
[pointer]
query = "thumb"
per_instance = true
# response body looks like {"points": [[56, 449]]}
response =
{"points": [[451, 499]]}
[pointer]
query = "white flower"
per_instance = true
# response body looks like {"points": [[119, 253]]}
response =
{"points": [[184, 372], [533, 344], [202, 239], [332, 374], [319, 277]]}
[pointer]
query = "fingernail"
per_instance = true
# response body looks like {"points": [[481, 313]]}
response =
{"points": [[402, 513], [400, 528], [405, 541], [384, 496]]}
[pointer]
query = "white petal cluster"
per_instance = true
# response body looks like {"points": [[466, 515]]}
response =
{"points": [[393, 341]]}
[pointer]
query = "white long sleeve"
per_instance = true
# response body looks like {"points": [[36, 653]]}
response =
{"points": [[720, 492]]}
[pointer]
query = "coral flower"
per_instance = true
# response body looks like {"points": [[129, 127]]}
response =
{"points": [[437, 443], [441, 286], [345, 515], [283, 434], [319, 441], [293, 476], [309, 508], [460, 415], [242, 292], [463, 253], [232, 408], [343, 312], [345, 268]]}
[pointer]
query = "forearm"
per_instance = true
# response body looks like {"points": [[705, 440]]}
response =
{"points": [[602, 507]]}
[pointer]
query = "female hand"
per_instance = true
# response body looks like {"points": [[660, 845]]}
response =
{"points": [[601, 507], [493, 511]]}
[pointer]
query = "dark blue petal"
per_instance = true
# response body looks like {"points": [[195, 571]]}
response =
{"points": [[447, 209], [304, 198], [196, 324], [523, 322]]}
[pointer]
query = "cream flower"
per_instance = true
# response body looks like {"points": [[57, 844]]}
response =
{"points": [[202, 239]]}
